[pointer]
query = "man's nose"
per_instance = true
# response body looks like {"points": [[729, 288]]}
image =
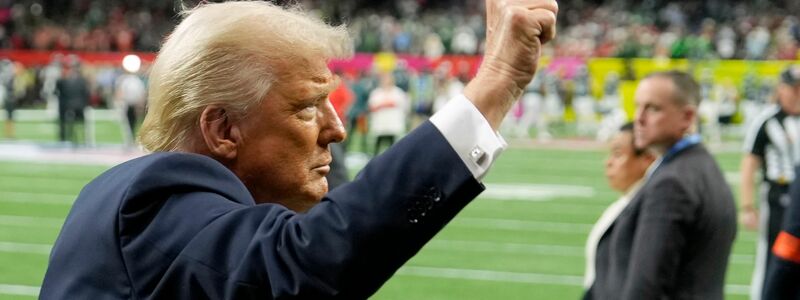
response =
{"points": [[638, 117], [331, 128]]}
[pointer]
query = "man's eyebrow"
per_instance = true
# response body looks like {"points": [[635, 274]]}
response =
{"points": [[325, 86]]}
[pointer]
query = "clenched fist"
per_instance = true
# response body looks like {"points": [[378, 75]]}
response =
{"points": [[516, 30]]}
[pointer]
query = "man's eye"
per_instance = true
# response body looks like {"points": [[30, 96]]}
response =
{"points": [[308, 112]]}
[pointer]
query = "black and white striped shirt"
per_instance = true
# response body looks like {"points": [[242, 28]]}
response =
{"points": [[774, 136]]}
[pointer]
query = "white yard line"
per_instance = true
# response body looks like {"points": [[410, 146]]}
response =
{"points": [[497, 247], [19, 290], [38, 153], [39, 222], [487, 275], [535, 249], [538, 226], [519, 277], [507, 224], [25, 248], [436, 244], [534, 192], [37, 198]]}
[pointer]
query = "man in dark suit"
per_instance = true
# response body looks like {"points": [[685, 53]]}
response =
{"points": [[673, 239], [234, 204], [73, 97]]}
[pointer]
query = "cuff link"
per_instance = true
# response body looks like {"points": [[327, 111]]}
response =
{"points": [[477, 155]]}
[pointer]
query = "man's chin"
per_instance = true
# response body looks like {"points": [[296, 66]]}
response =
{"points": [[318, 189]]}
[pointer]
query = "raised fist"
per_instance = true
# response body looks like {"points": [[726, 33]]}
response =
{"points": [[516, 30]]}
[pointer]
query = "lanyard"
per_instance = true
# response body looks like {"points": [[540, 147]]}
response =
{"points": [[681, 145]]}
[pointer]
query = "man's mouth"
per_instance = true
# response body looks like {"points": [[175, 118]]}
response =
{"points": [[324, 169]]}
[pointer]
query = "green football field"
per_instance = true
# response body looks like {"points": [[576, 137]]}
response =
{"points": [[522, 239]]}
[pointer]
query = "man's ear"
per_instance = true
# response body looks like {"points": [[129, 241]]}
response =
{"points": [[690, 117], [220, 134]]}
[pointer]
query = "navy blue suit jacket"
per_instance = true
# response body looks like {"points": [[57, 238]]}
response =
{"points": [[182, 226]]}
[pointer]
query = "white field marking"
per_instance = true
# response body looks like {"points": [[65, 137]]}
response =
{"points": [[733, 178], [502, 276], [737, 289], [750, 238], [34, 153], [37, 198], [534, 192], [437, 244], [498, 247], [506, 224], [743, 259], [583, 208], [19, 152], [537, 249], [19, 290], [31, 221], [25, 248], [487, 275], [43, 115]]}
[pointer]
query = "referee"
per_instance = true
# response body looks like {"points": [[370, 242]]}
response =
{"points": [[773, 144]]}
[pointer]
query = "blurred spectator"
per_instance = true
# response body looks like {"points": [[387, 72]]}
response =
{"points": [[73, 97], [422, 91], [357, 113], [388, 106], [7, 98], [130, 96], [447, 85], [342, 97], [49, 76]]}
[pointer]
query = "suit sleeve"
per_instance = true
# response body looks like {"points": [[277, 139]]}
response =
{"points": [[346, 247], [666, 214], [781, 281]]}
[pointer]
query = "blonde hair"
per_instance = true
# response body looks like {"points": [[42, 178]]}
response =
{"points": [[228, 54]]}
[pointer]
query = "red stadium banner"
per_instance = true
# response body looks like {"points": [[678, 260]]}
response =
{"points": [[39, 58]]}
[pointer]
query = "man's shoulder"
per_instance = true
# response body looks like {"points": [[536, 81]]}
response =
{"points": [[166, 171], [159, 162], [772, 111], [685, 166]]}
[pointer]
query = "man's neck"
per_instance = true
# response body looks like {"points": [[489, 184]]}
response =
{"points": [[664, 148]]}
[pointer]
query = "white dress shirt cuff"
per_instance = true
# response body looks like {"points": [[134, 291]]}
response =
{"points": [[470, 135]]}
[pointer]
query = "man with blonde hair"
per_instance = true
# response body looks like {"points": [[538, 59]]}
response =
{"points": [[233, 203]]}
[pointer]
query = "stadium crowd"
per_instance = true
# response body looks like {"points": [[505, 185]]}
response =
{"points": [[690, 29]]}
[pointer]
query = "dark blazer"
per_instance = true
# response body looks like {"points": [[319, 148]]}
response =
{"points": [[673, 239], [73, 93], [182, 226]]}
